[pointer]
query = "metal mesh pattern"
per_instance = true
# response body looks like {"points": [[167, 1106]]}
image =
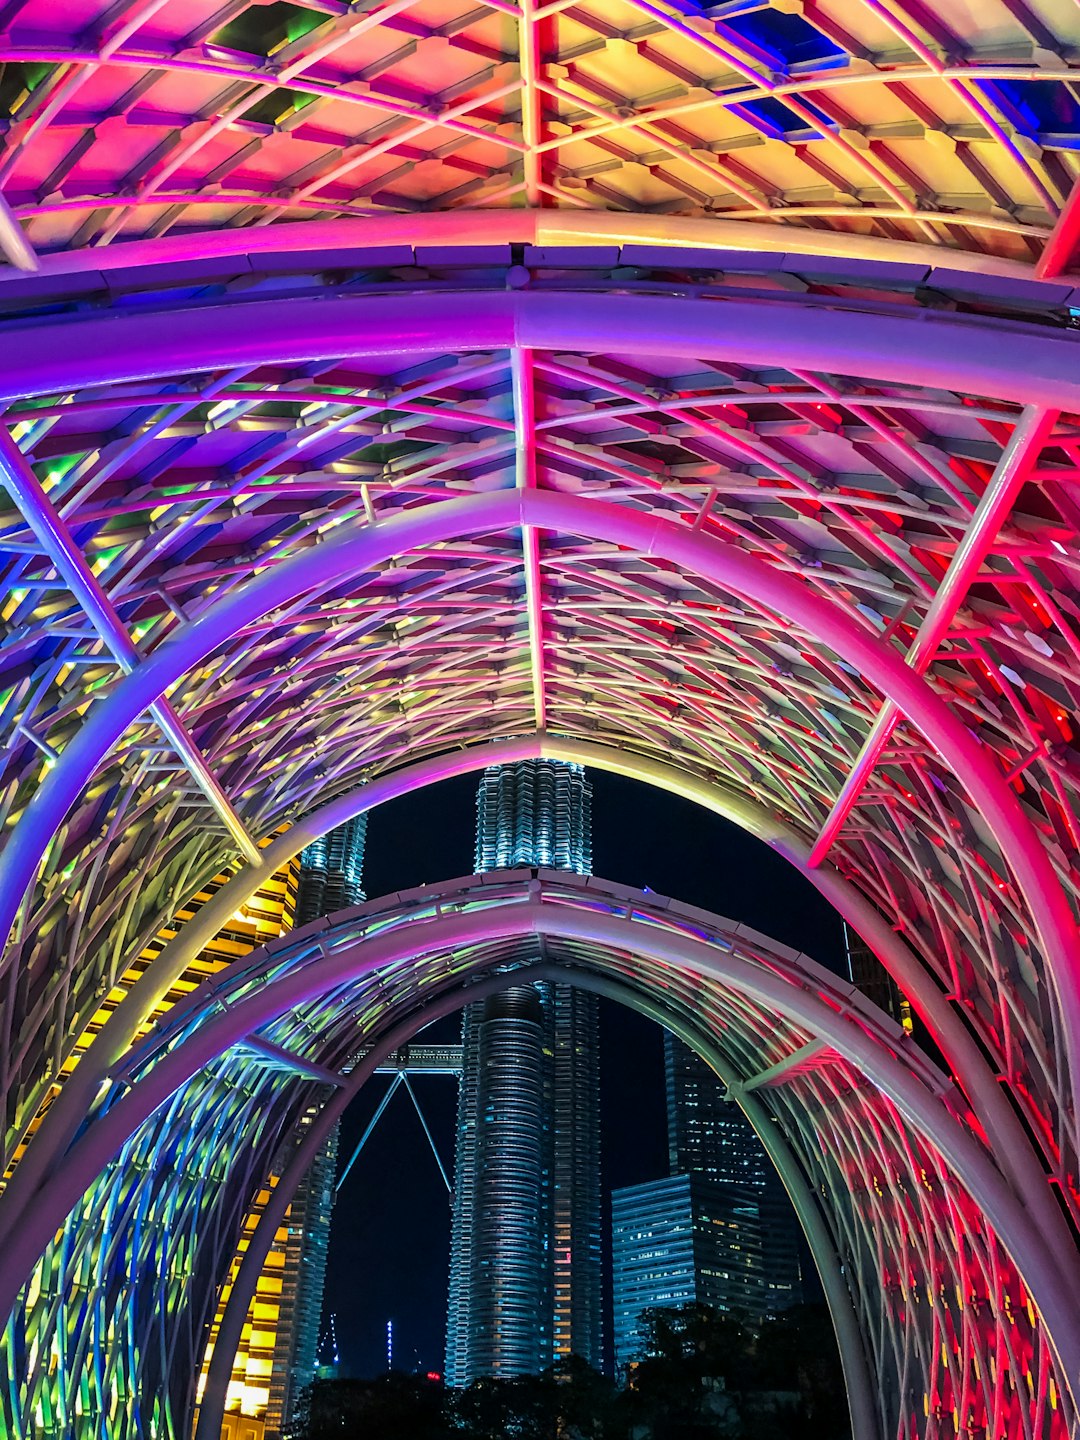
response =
{"points": [[861, 490], [689, 390], [952, 123]]}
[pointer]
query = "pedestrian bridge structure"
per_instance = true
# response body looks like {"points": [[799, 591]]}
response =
{"points": [[685, 389]]}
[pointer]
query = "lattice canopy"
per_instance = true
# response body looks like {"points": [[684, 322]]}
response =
{"points": [[690, 390]]}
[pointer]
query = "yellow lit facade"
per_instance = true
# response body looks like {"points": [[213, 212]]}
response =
{"points": [[248, 1396], [242, 1427], [266, 916]]}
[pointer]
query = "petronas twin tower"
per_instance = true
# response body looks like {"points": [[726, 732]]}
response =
{"points": [[525, 1260]]}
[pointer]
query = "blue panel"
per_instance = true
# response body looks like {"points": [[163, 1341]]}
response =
{"points": [[1037, 107], [774, 118], [790, 38]]}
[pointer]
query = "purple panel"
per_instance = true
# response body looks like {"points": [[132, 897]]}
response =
{"points": [[161, 277], [309, 262], [1001, 289], [572, 257], [463, 255], [892, 274]]}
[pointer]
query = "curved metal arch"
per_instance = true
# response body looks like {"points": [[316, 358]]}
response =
{"points": [[1037, 1261], [545, 228], [1016, 363], [72, 1106], [864, 1412], [356, 549]]}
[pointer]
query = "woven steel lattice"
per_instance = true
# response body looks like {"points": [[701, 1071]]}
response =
{"points": [[689, 390]]}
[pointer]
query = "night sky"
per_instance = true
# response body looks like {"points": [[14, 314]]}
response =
{"points": [[391, 1233]]}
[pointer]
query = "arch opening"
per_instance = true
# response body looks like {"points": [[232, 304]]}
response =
{"points": [[874, 1105], [1038, 890]]}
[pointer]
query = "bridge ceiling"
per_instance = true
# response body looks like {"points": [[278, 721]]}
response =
{"points": [[180, 489], [781, 291], [951, 124]]}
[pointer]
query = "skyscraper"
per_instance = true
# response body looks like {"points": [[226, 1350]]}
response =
{"points": [[867, 972], [709, 1136], [509, 1291], [525, 1262], [303, 1277], [676, 1241], [332, 871]]}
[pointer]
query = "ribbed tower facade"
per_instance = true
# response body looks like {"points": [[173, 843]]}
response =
{"points": [[525, 1262], [331, 872]]}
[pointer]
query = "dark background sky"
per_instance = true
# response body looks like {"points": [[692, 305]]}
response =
{"points": [[391, 1233]]}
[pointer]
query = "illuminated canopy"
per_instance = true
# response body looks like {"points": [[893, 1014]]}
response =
{"points": [[688, 390]]}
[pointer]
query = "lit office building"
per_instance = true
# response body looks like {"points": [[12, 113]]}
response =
{"points": [[709, 1136], [678, 1241], [868, 974], [529, 1106], [303, 1277]]}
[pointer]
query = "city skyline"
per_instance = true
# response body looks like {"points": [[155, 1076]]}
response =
{"points": [[706, 1135], [675, 849], [709, 1136]]}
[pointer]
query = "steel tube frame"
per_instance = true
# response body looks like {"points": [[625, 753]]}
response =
{"points": [[355, 549], [1059, 248], [1010, 475], [845, 1324], [262, 1238], [781, 1070], [13, 241], [1043, 1269], [1027, 365], [1006, 1136], [259, 1045], [849, 1340], [47, 525]]}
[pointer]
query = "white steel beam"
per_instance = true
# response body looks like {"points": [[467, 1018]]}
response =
{"points": [[1029, 435], [259, 1045], [52, 534], [524, 391], [1060, 245], [774, 1073], [13, 241], [529, 61]]}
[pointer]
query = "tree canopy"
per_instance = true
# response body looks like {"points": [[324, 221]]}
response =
{"points": [[704, 1375]]}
